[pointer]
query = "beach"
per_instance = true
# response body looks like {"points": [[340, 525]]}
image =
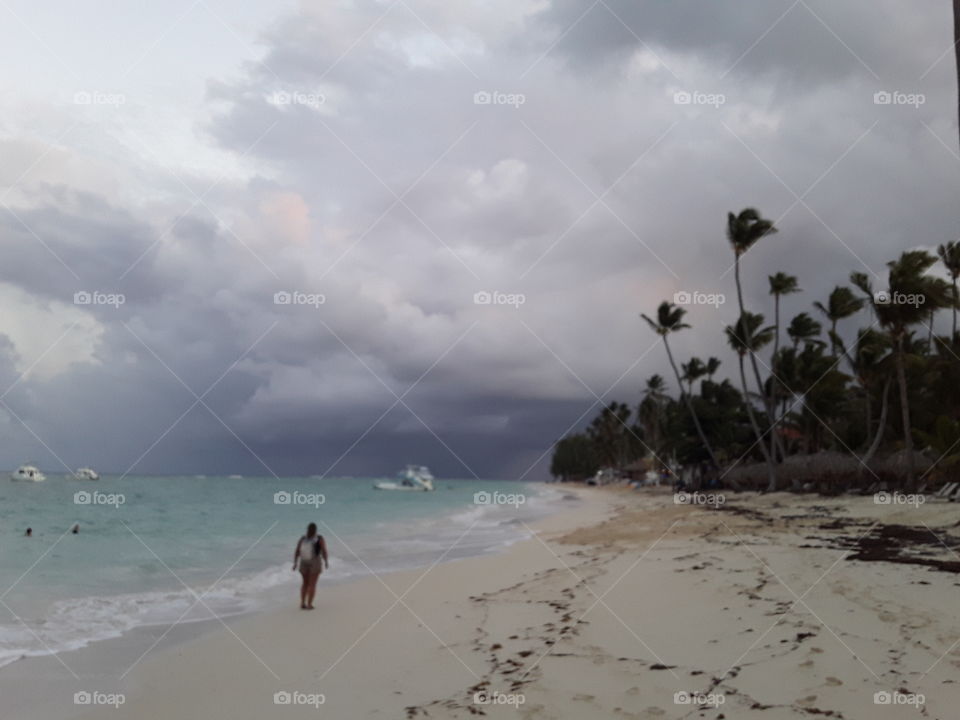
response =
{"points": [[626, 605]]}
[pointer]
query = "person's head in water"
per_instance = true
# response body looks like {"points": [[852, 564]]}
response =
{"points": [[312, 530], [29, 532], [75, 529]]}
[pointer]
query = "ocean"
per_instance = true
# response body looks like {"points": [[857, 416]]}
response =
{"points": [[148, 546]]}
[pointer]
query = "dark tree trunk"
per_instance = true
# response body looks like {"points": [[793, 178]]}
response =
{"points": [[905, 412], [693, 413], [771, 475]]}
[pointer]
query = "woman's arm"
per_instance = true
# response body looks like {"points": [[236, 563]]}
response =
{"points": [[323, 552], [296, 554]]}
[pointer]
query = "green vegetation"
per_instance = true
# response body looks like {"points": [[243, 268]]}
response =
{"points": [[888, 404]]}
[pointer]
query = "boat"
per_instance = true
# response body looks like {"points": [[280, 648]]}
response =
{"points": [[86, 473], [413, 477], [28, 473]]}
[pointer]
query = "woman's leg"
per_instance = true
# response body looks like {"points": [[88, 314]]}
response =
{"points": [[304, 587], [312, 590]]}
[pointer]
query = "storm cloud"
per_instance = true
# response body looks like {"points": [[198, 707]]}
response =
{"points": [[391, 232]]}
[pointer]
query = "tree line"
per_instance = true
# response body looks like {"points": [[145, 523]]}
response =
{"points": [[894, 387]]}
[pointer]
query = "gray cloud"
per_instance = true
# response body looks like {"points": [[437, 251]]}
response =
{"points": [[596, 198]]}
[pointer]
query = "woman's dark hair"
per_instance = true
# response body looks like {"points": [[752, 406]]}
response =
{"points": [[311, 530]]}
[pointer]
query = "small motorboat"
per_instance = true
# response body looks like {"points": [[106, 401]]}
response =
{"points": [[86, 473], [28, 473], [413, 477]]}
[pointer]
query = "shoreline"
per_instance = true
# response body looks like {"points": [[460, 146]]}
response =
{"points": [[116, 654], [626, 606]]}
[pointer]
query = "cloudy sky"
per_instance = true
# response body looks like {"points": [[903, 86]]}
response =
{"points": [[173, 172]]}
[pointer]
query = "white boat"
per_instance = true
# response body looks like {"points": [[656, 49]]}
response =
{"points": [[86, 473], [28, 473], [413, 477]]}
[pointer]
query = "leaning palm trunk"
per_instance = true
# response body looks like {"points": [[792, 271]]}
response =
{"points": [[953, 337], [771, 474], [875, 445], [756, 372], [905, 411], [956, 46], [689, 403]]}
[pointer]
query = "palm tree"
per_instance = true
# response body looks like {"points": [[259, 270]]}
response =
{"points": [[950, 257], [746, 337], [804, 329], [909, 282], [670, 320], [651, 410], [869, 361], [780, 284], [841, 304], [693, 371], [743, 232], [711, 367]]}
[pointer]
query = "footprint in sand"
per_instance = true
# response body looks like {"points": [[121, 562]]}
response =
{"points": [[808, 700], [834, 682], [583, 697]]}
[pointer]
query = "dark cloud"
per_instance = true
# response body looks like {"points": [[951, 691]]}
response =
{"points": [[596, 198]]}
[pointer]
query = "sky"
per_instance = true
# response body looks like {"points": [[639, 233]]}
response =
{"points": [[334, 238]]}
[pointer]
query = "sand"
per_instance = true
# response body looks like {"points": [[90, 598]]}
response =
{"points": [[627, 606]]}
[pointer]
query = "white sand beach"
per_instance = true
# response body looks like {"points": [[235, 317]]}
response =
{"points": [[628, 606]]}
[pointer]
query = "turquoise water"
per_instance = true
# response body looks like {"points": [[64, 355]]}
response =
{"points": [[148, 545]]}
